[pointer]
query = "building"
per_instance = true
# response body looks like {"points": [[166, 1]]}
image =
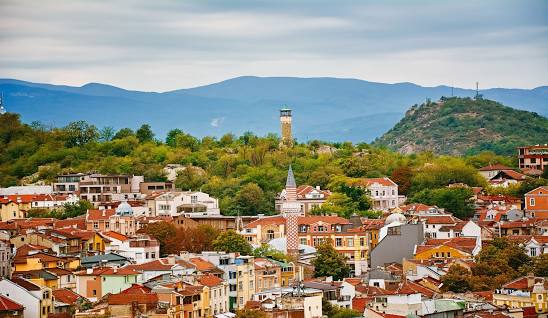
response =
{"points": [[291, 210], [490, 171], [533, 157], [268, 274], [286, 123], [10, 309], [397, 240], [309, 197], [94, 283], [536, 202], [36, 300], [383, 192], [523, 292], [458, 247], [120, 220], [15, 206], [140, 249], [217, 296], [178, 203], [5, 259]]}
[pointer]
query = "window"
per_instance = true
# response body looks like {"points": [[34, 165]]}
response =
{"points": [[270, 234], [393, 192], [338, 241], [362, 241], [437, 254], [241, 300], [396, 230], [350, 242], [94, 292], [194, 199], [46, 295], [532, 201], [533, 252], [448, 254], [240, 286], [95, 225], [303, 240]]}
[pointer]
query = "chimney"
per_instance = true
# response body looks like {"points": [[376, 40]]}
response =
{"points": [[103, 213], [530, 279], [115, 269], [171, 259], [318, 187], [89, 271]]}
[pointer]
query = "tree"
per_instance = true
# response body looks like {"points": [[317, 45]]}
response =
{"points": [[329, 262], [540, 265], [72, 210], [250, 313], [79, 133], [106, 133], [172, 137], [123, 133], [230, 241], [144, 133], [249, 200], [457, 200], [191, 178], [165, 233], [347, 313], [402, 177], [456, 280], [265, 251]]}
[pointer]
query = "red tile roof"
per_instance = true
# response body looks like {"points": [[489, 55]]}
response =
{"points": [[7, 304], [518, 223], [497, 166], [125, 299], [115, 235], [303, 190], [210, 280], [464, 244], [156, 265], [382, 181], [440, 219], [66, 296], [201, 264], [96, 215], [359, 304], [304, 220], [136, 289]]}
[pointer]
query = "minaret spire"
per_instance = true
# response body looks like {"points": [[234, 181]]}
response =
{"points": [[291, 210]]}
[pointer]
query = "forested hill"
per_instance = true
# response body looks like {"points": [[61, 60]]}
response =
{"points": [[463, 125]]}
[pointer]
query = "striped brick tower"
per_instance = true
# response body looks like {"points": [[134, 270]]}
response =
{"points": [[291, 211]]}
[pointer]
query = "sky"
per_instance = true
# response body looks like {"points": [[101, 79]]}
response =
{"points": [[166, 45]]}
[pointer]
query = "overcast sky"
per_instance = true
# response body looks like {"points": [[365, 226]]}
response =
{"points": [[166, 45]]}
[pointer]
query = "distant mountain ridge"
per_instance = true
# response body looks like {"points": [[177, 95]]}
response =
{"points": [[331, 109], [458, 126]]}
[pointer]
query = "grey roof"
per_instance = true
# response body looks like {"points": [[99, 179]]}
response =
{"points": [[290, 179], [110, 257]]}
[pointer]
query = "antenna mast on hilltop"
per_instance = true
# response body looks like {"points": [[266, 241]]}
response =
{"points": [[2, 109], [477, 90]]}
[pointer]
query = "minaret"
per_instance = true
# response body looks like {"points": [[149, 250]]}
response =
{"points": [[286, 122], [291, 210], [2, 109]]}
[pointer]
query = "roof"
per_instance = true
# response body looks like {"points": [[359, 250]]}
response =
{"points": [[7, 304], [522, 283], [303, 220], [534, 190], [124, 299], [96, 215], [156, 265], [136, 289], [66, 296], [358, 304], [440, 219], [202, 265], [290, 182], [101, 257], [512, 175], [497, 166], [517, 223], [303, 190], [464, 244], [210, 280], [115, 235], [382, 181], [108, 271], [40, 255], [25, 283]]}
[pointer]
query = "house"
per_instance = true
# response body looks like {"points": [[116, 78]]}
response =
{"points": [[308, 197], [9, 308], [94, 283], [490, 171], [163, 266], [53, 201], [523, 292], [41, 260], [301, 302], [523, 226], [217, 298], [5, 259], [435, 225], [536, 202], [347, 239], [383, 192], [108, 259], [457, 247], [506, 178], [174, 203], [134, 301], [141, 248], [66, 300], [533, 157], [371, 228], [36, 300], [97, 188], [120, 220], [535, 245], [15, 206], [267, 274], [397, 240]]}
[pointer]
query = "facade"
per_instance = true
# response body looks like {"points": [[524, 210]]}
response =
{"points": [[308, 197], [536, 202], [490, 171], [268, 274], [15, 206], [5, 259], [37, 300], [120, 220], [383, 192], [94, 283], [178, 203], [533, 157], [523, 292], [97, 188], [217, 297], [10, 309], [140, 248]]}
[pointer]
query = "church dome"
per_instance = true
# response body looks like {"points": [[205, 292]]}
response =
{"points": [[124, 209], [395, 217]]}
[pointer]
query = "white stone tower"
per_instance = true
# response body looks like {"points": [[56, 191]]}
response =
{"points": [[2, 109], [291, 211]]}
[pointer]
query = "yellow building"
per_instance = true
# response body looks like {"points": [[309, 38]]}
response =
{"points": [[525, 291], [454, 248], [40, 260], [15, 206], [268, 275]]}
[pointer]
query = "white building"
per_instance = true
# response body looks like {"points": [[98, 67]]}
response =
{"points": [[141, 248], [187, 202], [37, 300], [164, 266], [52, 201], [383, 192], [29, 189]]}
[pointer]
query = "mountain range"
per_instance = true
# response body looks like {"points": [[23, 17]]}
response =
{"points": [[331, 109]]}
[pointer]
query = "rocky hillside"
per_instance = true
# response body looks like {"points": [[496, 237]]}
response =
{"points": [[465, 126]]}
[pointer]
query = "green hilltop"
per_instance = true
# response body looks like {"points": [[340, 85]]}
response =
{"points": [[460, 126]]}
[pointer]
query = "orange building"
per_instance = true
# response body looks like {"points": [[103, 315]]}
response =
{"points": [[533, 157], [536, 203]]}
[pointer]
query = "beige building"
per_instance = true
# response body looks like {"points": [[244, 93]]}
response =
{"points": [[525, 291]]}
